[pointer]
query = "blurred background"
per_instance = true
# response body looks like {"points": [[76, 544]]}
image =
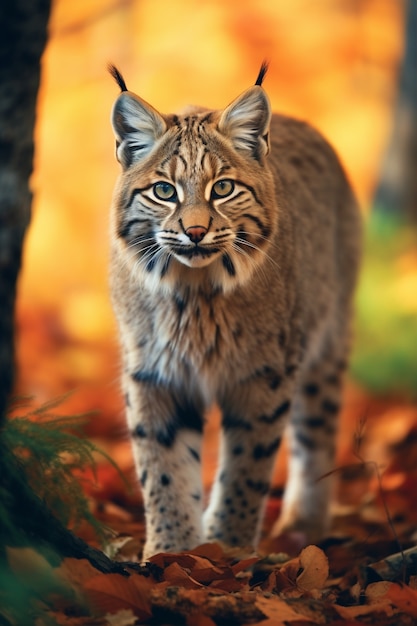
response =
{"points": [[339, 64]]}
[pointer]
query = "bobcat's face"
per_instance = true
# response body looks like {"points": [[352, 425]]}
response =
{"points": [[195, 201]]}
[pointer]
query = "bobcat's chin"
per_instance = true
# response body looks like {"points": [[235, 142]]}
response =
{"points": [[198, 258]]}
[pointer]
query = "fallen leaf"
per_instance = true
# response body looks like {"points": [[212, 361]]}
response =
{"points": [[277, 611], [229, 585], [210, 574], [174, 575], [401, 597], [315, 566], [375, 592], [109, 593], [283, 577], [76, 571], [350, 612], [240, 566], [212, 551], [202, 563], [164, 559], [278, 582]]}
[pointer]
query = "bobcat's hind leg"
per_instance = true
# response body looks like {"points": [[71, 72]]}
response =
{"points": [[312, 438]]}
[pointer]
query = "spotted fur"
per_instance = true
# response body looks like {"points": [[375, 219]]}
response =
{"points": [[235, 247]]}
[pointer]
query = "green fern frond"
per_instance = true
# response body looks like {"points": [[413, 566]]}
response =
{"points": [[41, 496], [48, 449]]}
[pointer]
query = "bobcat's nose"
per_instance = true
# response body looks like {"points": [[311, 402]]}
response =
{"points": [[196, 233]]}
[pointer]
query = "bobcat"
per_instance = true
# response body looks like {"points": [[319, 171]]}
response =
{"points": [[235, 248]]}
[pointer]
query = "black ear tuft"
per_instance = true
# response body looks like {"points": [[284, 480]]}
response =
{"points": [[117, 77], [262, 72]]}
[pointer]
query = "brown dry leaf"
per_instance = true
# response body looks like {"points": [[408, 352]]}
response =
{"points": [[278, 582], [206, 565], [283, 578], [228, 585], [212, 551], [76, 571], [351, 612], [174, 574], [164, 559], [218, 577], [315, 566], [109, 593], [400, 596], [210, 574], [202, 563], [240, 566], [377, 592], [217, 572], [305, 573], [277, 612]]}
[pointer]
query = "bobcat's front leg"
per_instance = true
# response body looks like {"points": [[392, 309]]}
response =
{"points": [[166, 434], [254, 416]]}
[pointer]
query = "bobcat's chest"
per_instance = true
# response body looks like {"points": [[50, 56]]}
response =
{"points": [[198, 328], [208, 343], [194, 338]]}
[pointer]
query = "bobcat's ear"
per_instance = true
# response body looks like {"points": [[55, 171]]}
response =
{"points": [[137, 126], [246, 122]]}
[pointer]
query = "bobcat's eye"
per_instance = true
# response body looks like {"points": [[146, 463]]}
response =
{"points": [[165, 191], [222, 188]]}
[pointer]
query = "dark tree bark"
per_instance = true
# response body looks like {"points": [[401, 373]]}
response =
{"points": [[23, 36], [397, 190]]}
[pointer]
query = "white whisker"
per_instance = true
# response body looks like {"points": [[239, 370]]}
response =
{"points": [[144, 259], [258, 235], [137, 241], [256, 267], [243, 242]]}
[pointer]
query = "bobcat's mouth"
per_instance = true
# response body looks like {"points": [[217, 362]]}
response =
{"points": [[197, 255]]}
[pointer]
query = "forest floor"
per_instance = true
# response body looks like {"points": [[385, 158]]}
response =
{"points": [[363, 572]]}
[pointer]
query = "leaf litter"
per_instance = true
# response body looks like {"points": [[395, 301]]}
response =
{"points": [[364, 572], [215, 586]]}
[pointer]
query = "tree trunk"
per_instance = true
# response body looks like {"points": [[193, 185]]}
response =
{"points": [[397, 190], [23, 37], [22, 41]]}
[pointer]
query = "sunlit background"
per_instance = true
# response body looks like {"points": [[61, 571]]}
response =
{"points": [[334, 63]]}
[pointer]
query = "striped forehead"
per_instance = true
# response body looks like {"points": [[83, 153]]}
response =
{"points": [[191, 156]]}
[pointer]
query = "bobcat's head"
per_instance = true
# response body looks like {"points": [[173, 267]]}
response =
{"points": [[195, 201]]}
